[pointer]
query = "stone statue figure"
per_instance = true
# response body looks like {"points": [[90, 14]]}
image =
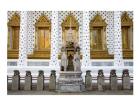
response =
{"points": [[64, 61], [76, 62], [69, 35], [70, 63]]}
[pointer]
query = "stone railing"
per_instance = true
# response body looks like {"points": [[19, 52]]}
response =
{"points": [[40, 79], [113, 81], [16, 83]]}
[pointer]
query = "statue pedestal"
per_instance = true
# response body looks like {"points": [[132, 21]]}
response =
{"points": [[16, 82], [126, 83], [88, 80], [113, 83], [100, 83], [28, 83], [70, 81], [40, 82]]}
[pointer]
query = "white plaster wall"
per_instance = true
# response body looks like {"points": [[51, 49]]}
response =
{"points": [[34, 16], [107, 15]]}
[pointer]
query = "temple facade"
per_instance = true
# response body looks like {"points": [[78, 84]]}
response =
{"points": [[36, 38]]}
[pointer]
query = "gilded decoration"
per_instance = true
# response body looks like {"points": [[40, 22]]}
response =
{"points": [[42, 39], [98, 47], [13, 36], [127, 36]]}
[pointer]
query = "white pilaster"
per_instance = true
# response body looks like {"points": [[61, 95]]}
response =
{"points": [[22, 61], [109, 32], [86, 40], [118, 57], [54, 64], [30, 38]]}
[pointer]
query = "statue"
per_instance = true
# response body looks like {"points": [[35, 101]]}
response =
{"points": [[113, 73], [100, 73], [126, 73], [28, 73], [76, 62], [64, 61], [16, 72], [70, 66], [69, 36]]}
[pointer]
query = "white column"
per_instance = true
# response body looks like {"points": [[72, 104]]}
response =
{"points": [[22, 61], [118, 57], [30, 38], [110, 32], [86, 41], [54, 64]]}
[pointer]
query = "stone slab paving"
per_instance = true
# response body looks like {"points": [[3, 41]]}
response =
{"points": [[107, 92]]}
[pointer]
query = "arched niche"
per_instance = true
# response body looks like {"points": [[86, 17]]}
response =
{"points": [[42, 39], [13, 36], [127, 36], [70, 24], [98, 46]]}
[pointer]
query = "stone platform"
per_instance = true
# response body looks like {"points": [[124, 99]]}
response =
{"points": [[70, 81]]}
